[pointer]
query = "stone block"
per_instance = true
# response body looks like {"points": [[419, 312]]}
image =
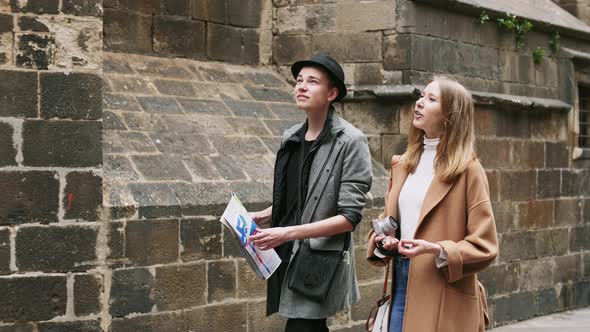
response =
{"points": [[575, 182], [269, 94], [248, 127], [292, 19], [4, 251], [500, 279], [568, 211], [516, 306], [373, 117], [557, 155], [116, 240], [526, 155], [485, 124], [257, 319], [250, 109], [535, 214], [249, 284], [64, 249], [235, 45], [159, 105], [112, 121], [217, 318], [365, 271], [256, 167], [132, 291], [34, 51], [238, 145], [200, 239], [176, 7], [582, 293], [517, 246], [494, 185], [547, 301], [202, 168], [18, 94], [82, 7], [62, 143], [169, 322], [133, 85], [173, 145], [32, 298], [119, 102], [211, 107], [518, 185], [36, 6], [88, 289], [546, 73], [81, 326], [536, 274], [228, 169], [125, 31], [505, 216], [245, 13], [161, 167], [586, 260], [174, 87], [209, 10], [7, 148], [29, 197], [549, 182], [6, 49], [552, 242], [116, 142], [167, 42], [352, 15], [142, 7], [568, 268], [19, 327], [82, 196], [580, 238], [221, 276], [180, 286], [149, 122], [493, 153], [290, 48], [512, 124], [516, 67], [547, 125], [349, 47], [149, 242], [231, 249], [6, 23]]}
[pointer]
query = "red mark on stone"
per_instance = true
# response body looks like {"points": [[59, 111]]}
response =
{"points": [[70, 199]]}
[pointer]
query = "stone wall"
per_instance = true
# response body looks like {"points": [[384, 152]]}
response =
{"points": [[236, 31], [50, 164]]}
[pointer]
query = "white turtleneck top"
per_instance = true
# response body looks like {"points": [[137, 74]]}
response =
{"points": [[414, 191]]}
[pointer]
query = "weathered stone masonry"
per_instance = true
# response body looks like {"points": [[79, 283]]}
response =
{"points": [[116, 165]]}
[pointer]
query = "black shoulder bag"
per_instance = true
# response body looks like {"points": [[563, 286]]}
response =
{"points": [[313, 270]]}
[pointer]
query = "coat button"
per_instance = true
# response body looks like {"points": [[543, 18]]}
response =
{"points": [[316, 198]]}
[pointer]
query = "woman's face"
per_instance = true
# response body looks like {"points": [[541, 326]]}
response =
{"points": [[428, 114]]}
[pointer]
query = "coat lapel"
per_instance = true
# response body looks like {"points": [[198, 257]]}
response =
{"points": [[436, 192], [399, 174]]}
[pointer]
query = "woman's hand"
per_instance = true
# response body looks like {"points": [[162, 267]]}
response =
{"points": [[270, 237], [387, 242], [413, 248]]}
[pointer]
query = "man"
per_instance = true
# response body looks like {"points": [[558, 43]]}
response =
{"points": [[321, 176]]}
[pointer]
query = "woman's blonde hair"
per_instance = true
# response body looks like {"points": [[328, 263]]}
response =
{"points": [[457, 142]]}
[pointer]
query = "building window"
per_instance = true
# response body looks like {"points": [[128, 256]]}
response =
{"points": [[584, 136]]}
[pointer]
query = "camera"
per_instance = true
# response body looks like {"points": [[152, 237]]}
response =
{"points": [[385, 226]]}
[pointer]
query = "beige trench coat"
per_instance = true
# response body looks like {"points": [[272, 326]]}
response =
{"points": [[458, 216]]}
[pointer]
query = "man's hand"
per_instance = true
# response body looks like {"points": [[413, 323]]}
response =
{"points": [[262, 217], [388, 242], [271, 237], [413, 248]]}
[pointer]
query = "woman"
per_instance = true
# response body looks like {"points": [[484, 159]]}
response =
{"points": [[439, 194]]}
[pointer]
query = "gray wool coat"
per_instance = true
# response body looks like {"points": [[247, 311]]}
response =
{"points": [[340, 177]]}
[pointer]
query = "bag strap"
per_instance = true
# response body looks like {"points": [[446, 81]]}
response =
{"points": [[386, 278], [370, 322]]}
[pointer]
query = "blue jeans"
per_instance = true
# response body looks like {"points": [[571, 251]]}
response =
{"points": [[400, 283]]}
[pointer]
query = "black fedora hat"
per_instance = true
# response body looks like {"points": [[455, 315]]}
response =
{"points": [[331, 66]]}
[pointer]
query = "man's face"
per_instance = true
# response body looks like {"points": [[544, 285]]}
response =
{"points": [[312, 90]]}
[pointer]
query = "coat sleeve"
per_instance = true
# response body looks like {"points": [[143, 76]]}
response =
{"points": [[355, 182], [479, 248]]}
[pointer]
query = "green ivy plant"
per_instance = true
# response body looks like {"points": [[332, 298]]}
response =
{"points": [[483, 17], [519, 26], [554, 42], [538, 54]]}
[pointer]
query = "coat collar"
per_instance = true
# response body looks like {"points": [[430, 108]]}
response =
{"points": [[436, 192], [336, 126]]}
